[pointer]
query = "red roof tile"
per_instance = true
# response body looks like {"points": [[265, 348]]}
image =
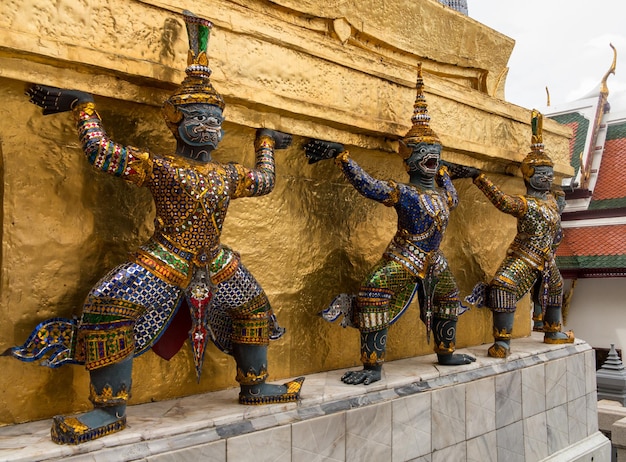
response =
{"points": [[593, 240], [611, 183]]}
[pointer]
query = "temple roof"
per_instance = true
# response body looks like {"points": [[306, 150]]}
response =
{"points": [[610, 190], [593, 251], [594, 220]]}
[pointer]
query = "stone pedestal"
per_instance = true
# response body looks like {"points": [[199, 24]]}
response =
{"points": [[539, 404]]}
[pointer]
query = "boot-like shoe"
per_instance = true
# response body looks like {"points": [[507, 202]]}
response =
{"points": [[502, 329], [552, 327], [252, 374], [109, 392]]}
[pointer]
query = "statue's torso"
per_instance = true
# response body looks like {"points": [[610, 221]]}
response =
{"points": [[537, 230], [423, 216], [191, 202], [422, 220]]}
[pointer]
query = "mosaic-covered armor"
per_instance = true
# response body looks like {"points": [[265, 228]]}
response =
{"points": [[412, 254], [191, 204], [412, 262], [181, 283]]}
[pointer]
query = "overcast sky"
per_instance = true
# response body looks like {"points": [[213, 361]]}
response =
{"points": [[563, 45]]}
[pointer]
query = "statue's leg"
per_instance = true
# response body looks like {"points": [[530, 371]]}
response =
{"points": [[252, 373], [373, 346], [447, 302], [502, 305], [514, 278], [537, 318], [109, 392], [552, 319], [253, 324], [444, 333], [552, 327], [537, 308], [251, 336], [105, 343], [371, 316]]}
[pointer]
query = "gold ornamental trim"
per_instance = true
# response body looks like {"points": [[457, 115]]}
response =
{"points": [[250, 377], [502, 334], [106, 397], [373, 359], [443, 349]]}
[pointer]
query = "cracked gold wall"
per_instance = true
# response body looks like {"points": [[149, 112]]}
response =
{"points": [[310, 68]]}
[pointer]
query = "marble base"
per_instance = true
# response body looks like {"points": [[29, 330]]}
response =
{"points": [[529, 407]]}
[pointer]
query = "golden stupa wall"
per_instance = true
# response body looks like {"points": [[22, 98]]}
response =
{"points": [[312, 68]]}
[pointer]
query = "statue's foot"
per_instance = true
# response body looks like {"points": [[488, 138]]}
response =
{"points": [[499, 350], [454, 359], [265, 393], [538, 327], [364, 376], [86, 427], [559, 337]]}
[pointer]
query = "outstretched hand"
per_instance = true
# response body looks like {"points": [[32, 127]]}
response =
{"points": [[281, 140], [54, 100], [460, 171], [316, 150]]}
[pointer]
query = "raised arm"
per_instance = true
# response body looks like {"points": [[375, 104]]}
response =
{"points": [[126, 162], [513, 205], [370, 187], [261, 179]]}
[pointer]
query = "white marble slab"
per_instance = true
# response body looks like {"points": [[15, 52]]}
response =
{"points": [[320, 439], [510, 442], [556, 383], [480, 407], [483, 448], [508, 398], [448, 417], [536, 437], [411, 427], [368, 433], [533, 390], [558, 428]]}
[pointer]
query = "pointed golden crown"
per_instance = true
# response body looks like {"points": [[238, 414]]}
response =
{"points": [[537, 156], [196, 87], [420, 132]]}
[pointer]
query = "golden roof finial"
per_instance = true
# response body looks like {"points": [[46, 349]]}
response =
{"points": [[604, 89], [547, 96]]}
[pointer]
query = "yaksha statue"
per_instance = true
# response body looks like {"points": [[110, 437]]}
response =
{"points": [[182, 272], [412, 263], [530, 263]]}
